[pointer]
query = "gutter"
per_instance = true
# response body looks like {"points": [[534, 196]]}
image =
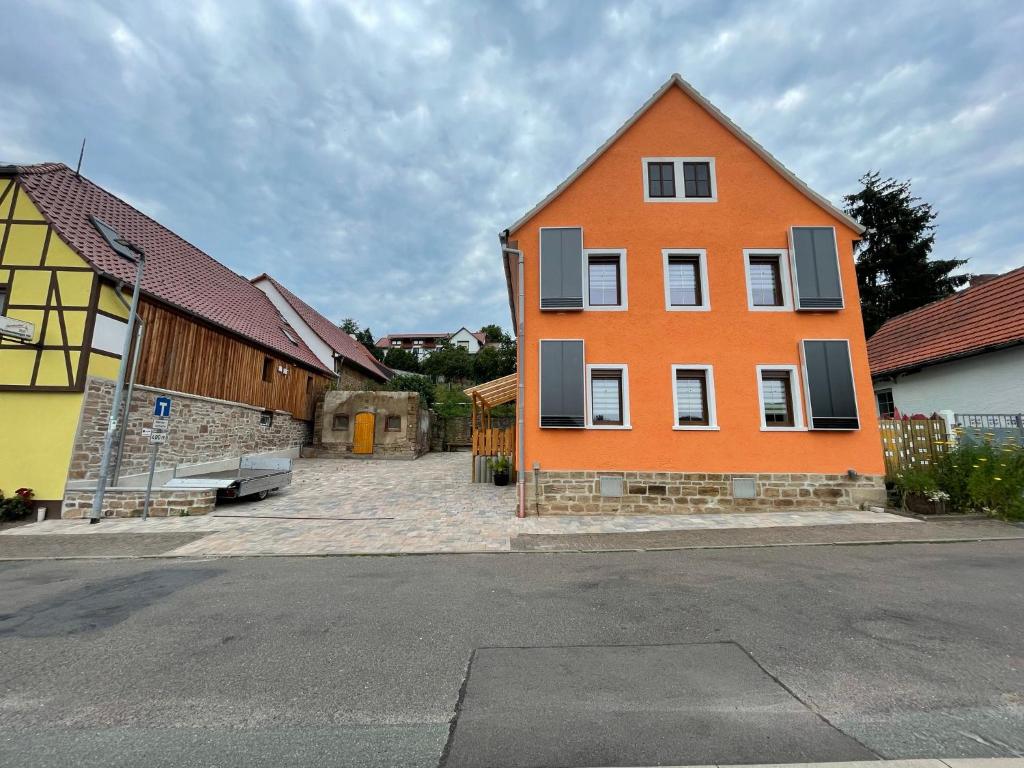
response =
{"points": [[518, 316]]}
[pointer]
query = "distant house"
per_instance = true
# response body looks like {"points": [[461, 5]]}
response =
{"points": [[964, 353], [422, 344], [337, 350]]}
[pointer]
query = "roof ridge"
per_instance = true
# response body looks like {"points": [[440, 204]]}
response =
{"points": [[950, 297]]}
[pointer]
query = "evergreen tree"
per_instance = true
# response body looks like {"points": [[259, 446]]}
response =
{"points": [[894, 273], [349, 326]]}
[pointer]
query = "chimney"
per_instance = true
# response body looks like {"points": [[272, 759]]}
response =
{"points": [[979, 279]]}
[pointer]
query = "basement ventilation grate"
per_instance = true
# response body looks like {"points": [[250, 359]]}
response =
{"points": [[610, 486], [744, 488]]}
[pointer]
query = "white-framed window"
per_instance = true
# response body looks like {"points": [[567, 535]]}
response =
{"points": [[604, 272], [680, 180], [693, 397], [779, 398], [768, 284], [686, 279], [607, 396]]}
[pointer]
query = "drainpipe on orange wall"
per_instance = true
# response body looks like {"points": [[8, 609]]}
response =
{"points": [[520, 417]]}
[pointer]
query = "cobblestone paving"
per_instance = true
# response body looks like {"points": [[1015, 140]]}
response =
{"points": [[350, 506]]}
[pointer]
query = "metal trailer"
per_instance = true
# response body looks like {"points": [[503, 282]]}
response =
{"points": [[256, 475]]}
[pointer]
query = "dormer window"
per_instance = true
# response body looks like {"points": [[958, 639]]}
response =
{"points": [[661, 176]]}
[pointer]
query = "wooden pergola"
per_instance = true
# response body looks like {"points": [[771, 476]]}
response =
{"points": [[487, 440]]}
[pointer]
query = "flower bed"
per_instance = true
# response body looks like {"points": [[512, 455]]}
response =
{"points": [[987, 477]]}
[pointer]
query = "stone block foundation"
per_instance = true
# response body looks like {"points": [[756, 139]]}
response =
{"points": [[645, 493], [127, 502]]}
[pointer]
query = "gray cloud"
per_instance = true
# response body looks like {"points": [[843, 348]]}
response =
{"points": [[367, 153]]}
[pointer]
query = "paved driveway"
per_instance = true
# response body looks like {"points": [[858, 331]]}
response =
{"points": [[350, 506], [435, 486]]}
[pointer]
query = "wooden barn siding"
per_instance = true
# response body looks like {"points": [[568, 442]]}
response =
{"points": [[183, 354]]}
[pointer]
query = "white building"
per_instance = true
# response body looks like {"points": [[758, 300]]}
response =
{"points": [[964, 353]]}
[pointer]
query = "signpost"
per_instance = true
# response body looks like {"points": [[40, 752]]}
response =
{"points": [[157, 435]]}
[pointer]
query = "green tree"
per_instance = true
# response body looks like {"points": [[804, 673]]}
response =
{"points": [[494, 362], [365, 337], [413, 383], [894, 273], [494, 334], [349, 326], [450, 363], [401, 360]]}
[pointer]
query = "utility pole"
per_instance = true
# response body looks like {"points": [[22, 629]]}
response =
{"points": [[112, 423]]}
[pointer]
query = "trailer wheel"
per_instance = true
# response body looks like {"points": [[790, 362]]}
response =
{"points": [[262, 495]]}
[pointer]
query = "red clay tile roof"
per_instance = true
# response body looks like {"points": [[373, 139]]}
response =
{"points": [[331, 334], [986, 316], [176, 273]]}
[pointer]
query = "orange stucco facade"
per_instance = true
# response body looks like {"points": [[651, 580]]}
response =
{"points": [[756, 205]]}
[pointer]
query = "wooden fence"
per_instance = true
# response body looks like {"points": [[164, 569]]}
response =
{"points": [[910, 443]]}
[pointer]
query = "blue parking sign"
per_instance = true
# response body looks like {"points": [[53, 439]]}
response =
{"points": [[162, 408]]}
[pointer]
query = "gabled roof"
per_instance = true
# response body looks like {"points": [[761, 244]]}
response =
{"points": [[385, 341], [985, 317], [177, 273], [678, 82], [332, 335]]}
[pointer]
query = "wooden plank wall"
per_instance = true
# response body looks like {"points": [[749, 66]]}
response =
{"points": [[910, 443], [186, 355]]}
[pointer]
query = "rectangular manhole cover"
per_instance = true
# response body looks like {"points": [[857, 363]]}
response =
{"points": [[634, 705]]}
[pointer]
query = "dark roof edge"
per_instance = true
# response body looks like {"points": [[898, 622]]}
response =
{"points": [[928, 362]]}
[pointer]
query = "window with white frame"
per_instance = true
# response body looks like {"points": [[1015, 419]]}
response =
{"points": [[686, 279], [693, 397], [680, 180], [608, 396], [779, 397], [767, 279], [606, 279]]}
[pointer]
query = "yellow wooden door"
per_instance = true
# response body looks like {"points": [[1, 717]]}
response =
{"points": [[362, 442]]}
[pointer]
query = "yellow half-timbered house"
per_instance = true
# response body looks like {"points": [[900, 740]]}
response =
{"points": [[209, 335]]}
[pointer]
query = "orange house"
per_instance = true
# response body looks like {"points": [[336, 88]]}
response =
{"points": [[689, 330]]}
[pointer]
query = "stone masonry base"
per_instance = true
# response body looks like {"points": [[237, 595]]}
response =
{"points": [[128, 502], [644, 493]]}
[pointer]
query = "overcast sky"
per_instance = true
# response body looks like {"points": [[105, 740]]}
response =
{"points": [[368, 153]]}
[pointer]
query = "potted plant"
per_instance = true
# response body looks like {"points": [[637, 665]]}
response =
{"points": [[500, 466]]}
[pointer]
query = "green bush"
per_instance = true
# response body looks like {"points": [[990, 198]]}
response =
{"points": [[988, 477], [413, 383], [17, 506]]}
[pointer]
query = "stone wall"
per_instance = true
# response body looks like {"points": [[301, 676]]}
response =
{"points": [[579, 493], [352, 378], [128, 502], [411, 441], [201, 430]]}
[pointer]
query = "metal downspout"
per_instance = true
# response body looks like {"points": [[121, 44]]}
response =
{"points": [[520, 387]]}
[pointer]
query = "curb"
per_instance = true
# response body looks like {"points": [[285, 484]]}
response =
{"points": [[949, 762], [226, 555]]}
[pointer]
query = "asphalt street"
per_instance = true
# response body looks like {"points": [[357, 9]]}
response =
{"points": [[741, 655]]}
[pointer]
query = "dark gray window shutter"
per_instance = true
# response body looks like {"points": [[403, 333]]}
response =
{"points": [[561, 268], [817, 268], [561, 384], [830, 390]]}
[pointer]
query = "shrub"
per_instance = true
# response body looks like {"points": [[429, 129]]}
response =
{"points": [[17, 506], [986, 476], [413, 383], [920, 481]]}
